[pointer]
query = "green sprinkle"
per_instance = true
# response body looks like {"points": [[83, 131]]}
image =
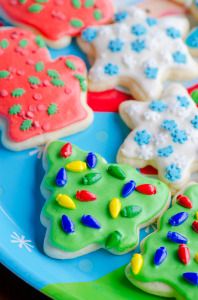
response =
{"points": [[26, 124], [15, 109], [82, 82], [91, 178], [70, 64], [4, 44], [76, 3], [131, 211], [52, 109], [41, 1], [39, 66], [35, 8], [77, 23], [194, 96], [89, 3], [4, 74], [23, 43], [39, 41], [22, 1], [53, 73], [113, 240], [116, 171], [18, 92], [97, 14], [34, 80], [57, 82]]}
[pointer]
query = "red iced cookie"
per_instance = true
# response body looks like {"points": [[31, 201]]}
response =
{"points": [[58, 20], [40, 99]]}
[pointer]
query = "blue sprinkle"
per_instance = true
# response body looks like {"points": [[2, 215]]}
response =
{"points": [[192, 39], [178, 219], [116, 45], [120, 16], [179, 57], [128, 188], [138, 29], [67, 224], [138, 45], [151, 21], [165, 152], [90, 221], [61, 177], [173, 173], [169, 125], [183, 100], [194, 122], [179, 136], [142, 137], [151, 72], [176, 237], [91, 160], [173, 33], [111, 69], [89, 34], [160, 256], [191, 277], [158, 106]]}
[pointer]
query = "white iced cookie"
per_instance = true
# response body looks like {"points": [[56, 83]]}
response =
{"points": [[165, 135], [138, 52]]}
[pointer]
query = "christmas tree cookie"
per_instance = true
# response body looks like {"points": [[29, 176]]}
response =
{"points": [[58, 20], [91, 204], [40, 99], [168, 265]]}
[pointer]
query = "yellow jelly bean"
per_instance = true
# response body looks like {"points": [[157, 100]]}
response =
{"points": [[196, 215], [136, 263], [196, 257], [76, 166], [65, 201], [115, 207]]}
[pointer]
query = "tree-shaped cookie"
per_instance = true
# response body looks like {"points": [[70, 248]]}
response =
{"points": [[165, 135], [138, 52], [58, 20], [40, 99], [91, 204], [168, 265]]}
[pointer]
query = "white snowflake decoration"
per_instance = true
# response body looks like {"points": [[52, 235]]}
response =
{"points": [[21, 241]]}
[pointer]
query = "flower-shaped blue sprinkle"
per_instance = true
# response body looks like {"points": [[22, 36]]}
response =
{"points": [[138, 29], [111, 69], [179, 136], [151, 72], [89, 34], [183, 100], [142, 137], [158, 106], [179, 57], [173, 33], [194, 122], [165, 152], [120, 16], [151, 21], [169, 125], [116, 45], [173, 172], [138, 45]]}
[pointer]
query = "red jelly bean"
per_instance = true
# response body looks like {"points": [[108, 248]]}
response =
{"points": [[184, 254], [184, 201], [147, 189], [66, 150], [195, 226], [85, 196]]}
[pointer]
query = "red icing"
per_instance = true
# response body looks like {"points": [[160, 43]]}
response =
{"points": [[37, 98], [192, 88], [53, 21]]}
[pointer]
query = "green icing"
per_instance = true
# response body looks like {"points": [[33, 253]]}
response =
{"points": [[39, 66], [57, 82], [4, 43], [70, 64], [113, 286], [22, 1], [171, 270], [34, 80], [194, 96], [89, 3], [77, 23], [41, 1], [15, 109], [52, 109], [39, 41], [4, 74], [26, 124], [18, 92], [83, 82], [76, 3], [97, 14], [23, 43], [53, 73], [105, 189], [35, 8]]}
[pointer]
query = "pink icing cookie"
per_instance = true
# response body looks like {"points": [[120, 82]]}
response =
{"points": [[58, 20], [40, 99]]}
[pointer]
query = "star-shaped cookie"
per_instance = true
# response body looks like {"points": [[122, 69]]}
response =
{"points": [[138, 52], [165, 135]]}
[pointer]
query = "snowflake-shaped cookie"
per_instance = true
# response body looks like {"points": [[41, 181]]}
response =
{"points": [[168, 142], [138, 52]]}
